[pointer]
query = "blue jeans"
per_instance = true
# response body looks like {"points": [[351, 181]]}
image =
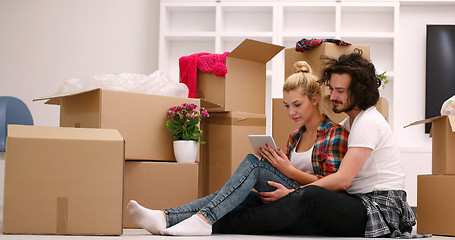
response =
{"points": [[235, 194]]}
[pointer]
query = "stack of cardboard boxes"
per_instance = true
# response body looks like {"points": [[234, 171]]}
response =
{"points": [[436, 192], [77, 180], [147, 175], [150, 166], [239, 100]]}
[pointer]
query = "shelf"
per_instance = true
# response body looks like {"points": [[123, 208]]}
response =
{"points": [[179, 48], [361, 19], [299, 35], [427, 2], [186, 18], [192, 36], [189, 27], [238, 19], [295, 18], [368, 36], [247, 35]]}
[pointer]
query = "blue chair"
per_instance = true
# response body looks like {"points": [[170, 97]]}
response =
{"points": [[12, 111]]}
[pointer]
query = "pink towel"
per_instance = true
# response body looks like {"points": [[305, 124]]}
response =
{"points": [[206, 62]]}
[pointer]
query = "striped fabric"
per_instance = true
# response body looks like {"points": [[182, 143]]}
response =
{"points": [[307, 44]]}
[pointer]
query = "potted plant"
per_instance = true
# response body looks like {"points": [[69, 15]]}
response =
{"points": [[384, 80], [183, 124]]}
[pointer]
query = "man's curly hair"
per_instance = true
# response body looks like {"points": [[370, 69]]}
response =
{"points": [[364, 85]]}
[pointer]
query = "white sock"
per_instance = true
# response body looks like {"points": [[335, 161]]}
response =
{"points": [[192, 226], [150, 220]]}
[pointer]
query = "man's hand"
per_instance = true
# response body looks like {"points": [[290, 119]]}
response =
{"points": [[280, 192]]}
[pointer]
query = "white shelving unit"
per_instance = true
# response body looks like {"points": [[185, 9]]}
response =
{"points": [[219, 26]]}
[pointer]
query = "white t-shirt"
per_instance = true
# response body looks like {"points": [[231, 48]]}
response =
{"points": [[302, 160], [382, 170]]}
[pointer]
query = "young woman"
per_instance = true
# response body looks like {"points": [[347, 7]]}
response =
{"points": [[313, 151]]}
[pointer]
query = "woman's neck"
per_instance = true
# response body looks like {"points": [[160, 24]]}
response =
{"points": [[312, 125]]}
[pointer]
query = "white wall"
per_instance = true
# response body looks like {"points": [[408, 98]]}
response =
{"points": [[409, 89], [44, 42]]}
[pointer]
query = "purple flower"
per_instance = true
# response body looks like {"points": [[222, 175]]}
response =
{"points": [[181, 121]]}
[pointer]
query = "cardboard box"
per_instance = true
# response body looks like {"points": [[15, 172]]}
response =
{"points": [[443, 152], [313, 56], [435, 208], [63, 181], [160, 185], [282, 124], [245, 81], [140, 118], [228, 144]]}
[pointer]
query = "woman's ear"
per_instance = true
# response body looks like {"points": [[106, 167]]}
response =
{"points": [[315, 99]]}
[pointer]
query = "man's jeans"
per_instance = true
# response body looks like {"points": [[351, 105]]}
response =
{"points": [[235, 194], [311, 210]]}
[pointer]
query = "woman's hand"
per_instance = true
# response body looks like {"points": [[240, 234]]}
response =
{"points": [[280, 192], [278, 159]]}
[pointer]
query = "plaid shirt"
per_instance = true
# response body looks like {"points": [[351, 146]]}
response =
{"points": [[308, 44], [389, 214], [330, 146]]}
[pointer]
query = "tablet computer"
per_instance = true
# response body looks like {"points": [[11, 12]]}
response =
{"points": [[258, 141]]}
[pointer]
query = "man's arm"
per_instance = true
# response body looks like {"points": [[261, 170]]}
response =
{"points": [[341, 180], [349, 167]]}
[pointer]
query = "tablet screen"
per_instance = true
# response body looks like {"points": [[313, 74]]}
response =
{"points": [[258, 141]]}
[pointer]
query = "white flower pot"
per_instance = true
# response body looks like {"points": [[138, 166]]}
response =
{"points": [[185, 151]]}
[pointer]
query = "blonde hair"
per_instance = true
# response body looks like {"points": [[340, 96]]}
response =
{"points": [[304, 79]]}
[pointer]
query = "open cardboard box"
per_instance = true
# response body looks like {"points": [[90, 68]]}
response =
{"points": [[443, 142], [244, 86], [64, 181], [160, 185], [140, 118], [435, 208]]}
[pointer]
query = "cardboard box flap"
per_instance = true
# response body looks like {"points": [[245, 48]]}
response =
{"points": [[55, 99], [450, 118], [208, 104], [256, 51], [25, 131]]}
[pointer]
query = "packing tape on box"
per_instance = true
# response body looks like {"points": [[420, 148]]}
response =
{"points": [[62, 215]]}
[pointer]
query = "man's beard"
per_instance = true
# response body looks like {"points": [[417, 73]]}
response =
{"points": [[350, 107]]}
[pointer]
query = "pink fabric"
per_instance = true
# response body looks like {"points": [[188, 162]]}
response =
{"points": [[213, 63], [205, 62], [188, 72]]}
